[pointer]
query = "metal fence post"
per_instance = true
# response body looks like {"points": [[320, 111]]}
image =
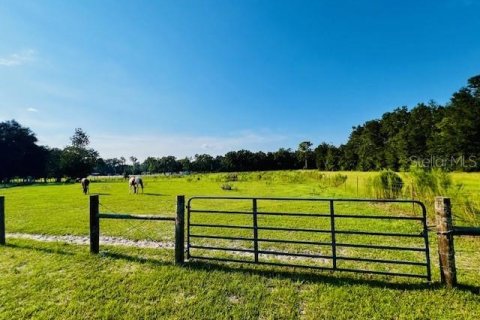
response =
{"points": [[2, 220], [94, 224], [179, 231], [446, 250], [255, 229]]}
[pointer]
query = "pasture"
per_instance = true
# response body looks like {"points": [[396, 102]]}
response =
{"points": [[58, 280]]}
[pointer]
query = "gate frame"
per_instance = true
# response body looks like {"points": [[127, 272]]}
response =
{"points": [[332, 231]]}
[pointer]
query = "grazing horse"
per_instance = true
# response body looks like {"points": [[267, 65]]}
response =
{"points": [[135, 183], [85, 185]]}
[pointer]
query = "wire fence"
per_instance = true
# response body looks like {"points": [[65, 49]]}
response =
{"points": [[467, 259], [144, 230]]}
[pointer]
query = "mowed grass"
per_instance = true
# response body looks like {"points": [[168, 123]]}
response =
{"points": [[60, 281], [141, 283]]}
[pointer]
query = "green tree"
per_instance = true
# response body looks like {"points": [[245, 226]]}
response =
{"points": [[20, 155], [53, 165], [305, 150], [135, 164], [458, 134], [77, 160]]}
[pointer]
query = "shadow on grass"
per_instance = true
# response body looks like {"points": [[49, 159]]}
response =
{"points": [[40, 249], [135, 258], [338, 278], [470, 288], [153, 194], [327, 277]]}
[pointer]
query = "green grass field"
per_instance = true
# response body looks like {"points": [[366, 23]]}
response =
{"points": [[56, 280]]}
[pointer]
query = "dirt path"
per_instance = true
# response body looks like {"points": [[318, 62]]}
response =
{"points": [[116, 241], [84, 240]]}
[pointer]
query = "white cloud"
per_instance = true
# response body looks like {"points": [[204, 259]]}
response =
{"points": [[32, 110], [17, 59], [182, 145]]}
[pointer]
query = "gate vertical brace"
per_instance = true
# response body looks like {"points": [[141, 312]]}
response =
{"points": [[2, 220], [94, 225], [446, 251], [332, 225], [180, 231], [425, 237], [255, 229], [188, 230]]}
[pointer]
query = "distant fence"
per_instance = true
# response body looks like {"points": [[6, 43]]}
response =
{"points": [[95, 217], [446, 232]]}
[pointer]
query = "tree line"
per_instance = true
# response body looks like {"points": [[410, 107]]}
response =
{"points": [[429, 134], [21, 157]]}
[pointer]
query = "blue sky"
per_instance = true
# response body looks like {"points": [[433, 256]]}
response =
{"points": [[155, 78]]}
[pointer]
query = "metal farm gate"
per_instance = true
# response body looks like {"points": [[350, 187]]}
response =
{"points": [[353, 235]]}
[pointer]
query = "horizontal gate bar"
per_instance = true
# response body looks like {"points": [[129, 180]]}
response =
{"points": [[291, 229], [293, 214], [222, 249], [377, 217], [411, 275], [279, 253], [382, 261], [371, 246], [387, 234], [134, 217], [352, 245], [297, 214], [307, 255], [295, 241], [220, 237], [222, 211], [466, 231], [219, 226], [354, 216], [307, 199]]}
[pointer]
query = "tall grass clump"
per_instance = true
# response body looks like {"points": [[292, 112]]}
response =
{"points": [[429, 182], [337, 180], [387, 185]]}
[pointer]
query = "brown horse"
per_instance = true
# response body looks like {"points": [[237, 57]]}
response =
{"points": [[134, 183], [85, 185]]}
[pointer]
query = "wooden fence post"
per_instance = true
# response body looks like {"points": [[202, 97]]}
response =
{"points": [[94, 225], [179, 231], [2, 220], [446, 250]]}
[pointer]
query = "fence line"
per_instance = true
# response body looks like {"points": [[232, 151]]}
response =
{"points": [[446, 232], [95, 217]]}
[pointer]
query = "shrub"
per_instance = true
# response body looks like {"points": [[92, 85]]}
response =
{"points": [[227, 187], [338, 179], [231, 177], [387, 185]]}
